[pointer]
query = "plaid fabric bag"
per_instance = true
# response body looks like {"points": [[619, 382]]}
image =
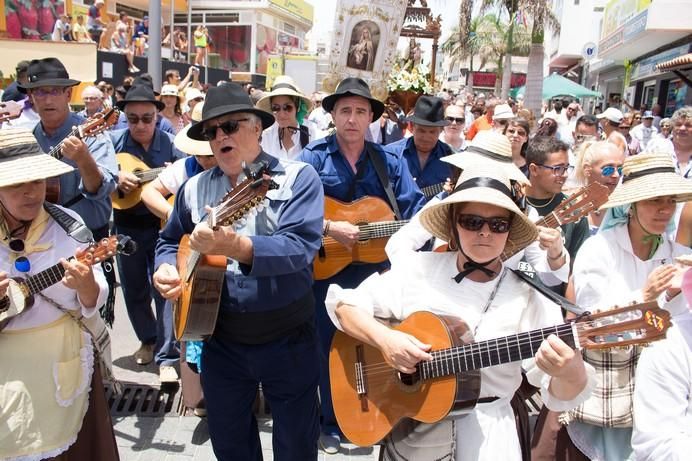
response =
{"points": [[610, 404]]}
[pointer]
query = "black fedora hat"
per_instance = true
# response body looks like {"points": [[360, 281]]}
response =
{"points": [[353, 86], [429, 111], [229, 98], [140, 93], [47, 72]]}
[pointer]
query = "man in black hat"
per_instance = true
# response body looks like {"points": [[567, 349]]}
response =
{"points": [[162, 122], [345, 163], [265, 329], [155, 148], [423, 151]]}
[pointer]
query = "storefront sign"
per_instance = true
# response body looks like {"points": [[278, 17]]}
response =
{"points": [[619, 12], [635, 26], [647, 67], [298, 7]]}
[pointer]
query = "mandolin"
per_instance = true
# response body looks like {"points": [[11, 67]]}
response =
{"points": [[202, 276], [370, 397], [376, 222], [20, 293], [91, 127], [131, 164]]}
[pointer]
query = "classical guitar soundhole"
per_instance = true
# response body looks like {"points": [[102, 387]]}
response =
{"points": [[409, 382]]}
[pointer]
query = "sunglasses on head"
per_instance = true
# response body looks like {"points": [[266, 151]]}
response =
{"points": [[473, 223], [135, 119], [608, 170], [457, 120], [228, 127], [284, 107]]}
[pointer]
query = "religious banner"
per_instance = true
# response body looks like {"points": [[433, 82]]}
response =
{"points": [[364, 43]]}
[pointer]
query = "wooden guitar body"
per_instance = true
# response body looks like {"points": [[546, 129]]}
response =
{"points": [[195, 311], [390, 396], [333, 257], [130, 163]]}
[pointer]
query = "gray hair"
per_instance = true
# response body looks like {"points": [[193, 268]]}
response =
{"points": [[92, 91], [684, 113]]}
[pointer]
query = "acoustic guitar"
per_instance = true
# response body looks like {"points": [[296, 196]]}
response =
{"points": [[370, 397], [21, 291], [131, 164], [91, 127], [374, 218], [202, 276]]}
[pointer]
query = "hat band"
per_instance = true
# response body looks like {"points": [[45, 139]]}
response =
{"points": [[48, 75], [284, 85], [639, 174], [19, 151], [489, 154], [485, 182]]}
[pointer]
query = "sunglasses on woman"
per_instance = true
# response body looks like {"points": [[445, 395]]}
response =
{"points": [[608, 170], [473, 223], [284, 107], [517, 132], [456, 120], [228, 127]]}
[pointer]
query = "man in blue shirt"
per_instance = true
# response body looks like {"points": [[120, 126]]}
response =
{"points": [[423, 151], [344, 165], [265, 330], [155, 148]]}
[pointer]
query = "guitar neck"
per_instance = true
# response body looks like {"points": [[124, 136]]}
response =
{"points": [[498, 351], [56, 151], [380, 229], [433, 190], [44, 279], [550, 220], [149, 175]]}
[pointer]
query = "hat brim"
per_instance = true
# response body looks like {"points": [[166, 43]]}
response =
{"points": [[265, 101], [31, 167], [195, 131], [424, 122], [61, 82], [191, 146], [436, 217], [649, 187], [468, 159], [376, 105], [121, 104]]}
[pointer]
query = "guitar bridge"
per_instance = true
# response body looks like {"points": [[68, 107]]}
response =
{"points": [[361, 384]]}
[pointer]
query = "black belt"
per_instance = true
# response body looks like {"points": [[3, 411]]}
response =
{"points": [[266, 326]]}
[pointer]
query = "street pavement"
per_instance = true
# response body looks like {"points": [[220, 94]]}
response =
{"points": [[173, 437]]}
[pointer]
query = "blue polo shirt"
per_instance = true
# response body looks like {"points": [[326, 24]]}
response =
{"points": [[285, 234], [161, 151], [337, 175], [95, 209], [435, 170]]}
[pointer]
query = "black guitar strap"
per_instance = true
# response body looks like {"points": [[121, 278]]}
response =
{"points": [[529, 276], [381, 170], [72, 227]]}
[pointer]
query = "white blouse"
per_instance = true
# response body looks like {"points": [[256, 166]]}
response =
{"points": [[43, 312], [425, 282], [174, 175], [270, 142]]}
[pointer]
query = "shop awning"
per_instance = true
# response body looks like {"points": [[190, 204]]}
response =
{"points": [[557, 85], [681, 62]]}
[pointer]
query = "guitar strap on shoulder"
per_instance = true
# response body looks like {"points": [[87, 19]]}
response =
{"points": [[381, 170], [528, 276], [72, 227]]}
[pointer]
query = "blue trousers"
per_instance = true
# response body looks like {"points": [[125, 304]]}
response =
{"points": [[135, 277], [348, 278], [288, 371]]}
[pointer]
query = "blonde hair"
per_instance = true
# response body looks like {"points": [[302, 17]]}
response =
{"points": [[588, 154]]}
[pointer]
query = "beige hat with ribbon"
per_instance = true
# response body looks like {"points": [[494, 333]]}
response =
{"points": [[22, 160], [188, 145], [283, 86]]}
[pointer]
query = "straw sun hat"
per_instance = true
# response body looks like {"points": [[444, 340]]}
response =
{"points": [[489, 144], [22, 160], [283, 86], [191, 146], [649, 175], [481, 182]]}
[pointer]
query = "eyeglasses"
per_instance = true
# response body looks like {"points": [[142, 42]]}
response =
{"points": [[501, 122], [228, 127], [284, 107], [608, 170], [90, 98], [457, 120], [558, 170], [45, 92], [473, 223], [515, 131], [21, 264], [135, 119]]}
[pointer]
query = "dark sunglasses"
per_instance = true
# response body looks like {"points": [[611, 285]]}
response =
{"points": [[21, 264], [502, 122], [17, 245], [134, 119], [284, 107], [473, 223], [513, 131], [557, 170], [608, 170], [456, 120], [228, 127]]}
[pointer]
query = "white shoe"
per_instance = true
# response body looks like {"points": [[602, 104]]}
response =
{"points": [[167, 374]]}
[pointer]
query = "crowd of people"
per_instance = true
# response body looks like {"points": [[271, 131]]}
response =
{"points": [[470, 175]]}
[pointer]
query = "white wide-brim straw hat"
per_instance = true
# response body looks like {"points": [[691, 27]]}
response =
{"points": [[192, 93], [493, 146], [481, 182], [22, 160], [188, 145], [283, 86], [649, 175], [170, 90], [503, 112]]}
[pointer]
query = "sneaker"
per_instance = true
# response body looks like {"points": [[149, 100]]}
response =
{"points": [[145, 354], [133, 69], [330, 443], [167, 374]]}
